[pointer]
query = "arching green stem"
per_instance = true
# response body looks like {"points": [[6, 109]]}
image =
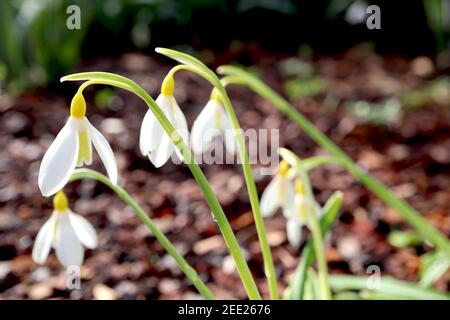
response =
{"points": [[413, 217], [192, 275], [246, 167], [222, 221]]}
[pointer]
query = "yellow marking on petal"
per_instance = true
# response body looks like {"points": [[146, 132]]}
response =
{"points": [[60, 201], [55, 230], [302, 202], [218, 117], [299, 187], [281, 193], [283, 168], [215, 95], [84, 152], [303, 211], [78, 106], [168, 85]]}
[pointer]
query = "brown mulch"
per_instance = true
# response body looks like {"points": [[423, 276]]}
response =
{"points": [[411, 156]]}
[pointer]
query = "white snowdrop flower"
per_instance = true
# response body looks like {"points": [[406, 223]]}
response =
{"points": [[297, 214], [65, 231], [72, 148], [212, 121], [279, 193], [154, 142]]}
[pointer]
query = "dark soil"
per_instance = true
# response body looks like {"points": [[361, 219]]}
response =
{"points": [[411, 155]]}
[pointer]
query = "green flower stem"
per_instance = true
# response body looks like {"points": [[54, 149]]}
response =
{"points": [[183, 67], [321, 259], [312, 162], [219, 215], [312, 286], [316, 231], [413, 217], [387, 286], [246, 167], [330, 211], [254, 200], [167, 245]]}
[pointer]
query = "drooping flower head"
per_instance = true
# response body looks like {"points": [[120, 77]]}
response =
{"points": [[72, 148], [66, 232], [279, 193], [298, 214], [154, 142], [212, 121]]}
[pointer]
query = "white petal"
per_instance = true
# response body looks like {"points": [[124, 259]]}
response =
{"points": [[146, 130], [44, 239], [160, 146], [230, 139], [287, 198], [162, 152], [289, 210], [316, 209], [294, 232], [269, 203], [180, 125], [301, 208], [203, 129], [69, 250], [288, 194], [151, 133], [84, 230], [104, 151], [60, 159]]}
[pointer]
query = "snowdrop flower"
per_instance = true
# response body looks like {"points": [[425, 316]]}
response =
{"points": [[298, 214], [154, 141], [72, 148], [212, 121], [279, 193], [66, 232]]}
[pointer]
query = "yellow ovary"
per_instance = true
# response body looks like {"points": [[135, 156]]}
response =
{"points": [[61, 205], [215, 95], [78, 106], [283, 168], [168, 85], [60, 201]]}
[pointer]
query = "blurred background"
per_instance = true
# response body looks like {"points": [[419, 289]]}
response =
{"points": [[382, 94]]}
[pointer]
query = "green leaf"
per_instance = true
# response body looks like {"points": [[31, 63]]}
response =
{"points": [[346, 295], [312, 285], [403, 239], [188, 60], [301, 88], [432, 266], [312, 162], [388, 286]]}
